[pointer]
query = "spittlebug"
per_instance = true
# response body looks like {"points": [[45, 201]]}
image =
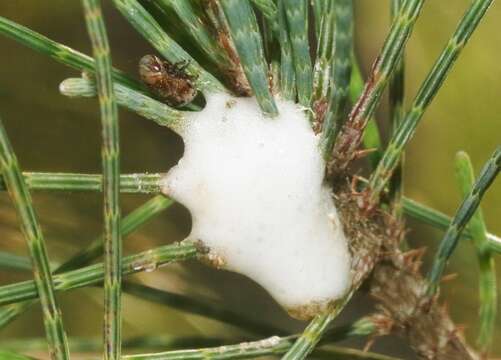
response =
{"points": [[168, 81]]}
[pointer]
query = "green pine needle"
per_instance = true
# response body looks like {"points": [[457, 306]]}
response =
{"points": [[296, 13], [324, 62], [461, 218], [194, 22], [43, 283], [313, 333], [340, 74], [148, 260], [351, 133], [245, 34], [256, 349], [129, 224], [371, 138], [110, 154], [135, 101], [147, 26], [4, 354], [487, 277], [396, 112], [267, 7], [287, 74], [129, 183], [59, 52], [14, 262]]}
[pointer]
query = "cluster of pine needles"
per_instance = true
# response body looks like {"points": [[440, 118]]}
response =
{"points": [[293, 49]]}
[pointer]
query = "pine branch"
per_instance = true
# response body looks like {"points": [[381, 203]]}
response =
{"points": [[403, 134]]}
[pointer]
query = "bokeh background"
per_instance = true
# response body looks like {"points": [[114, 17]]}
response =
{"points": [[52, 133]]}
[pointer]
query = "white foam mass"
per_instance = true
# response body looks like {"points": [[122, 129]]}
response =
{"points": [[254, 188]]}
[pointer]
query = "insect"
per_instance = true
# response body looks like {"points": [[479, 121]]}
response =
{"points": [[168, 81]]}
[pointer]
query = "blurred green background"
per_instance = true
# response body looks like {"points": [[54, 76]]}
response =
{"points": [[52, 133]]}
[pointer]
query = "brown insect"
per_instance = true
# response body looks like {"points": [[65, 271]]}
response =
{"points": [[168, 81]]}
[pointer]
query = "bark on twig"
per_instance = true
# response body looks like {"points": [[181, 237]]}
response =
{"points": [[400, 291], [396, 283]]}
